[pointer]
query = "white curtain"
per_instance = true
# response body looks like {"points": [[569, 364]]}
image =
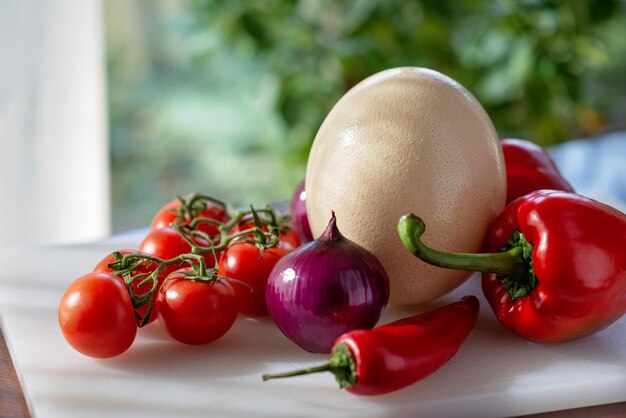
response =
{"points": [[54, 165]]}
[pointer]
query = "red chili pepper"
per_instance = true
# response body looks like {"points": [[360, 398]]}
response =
{"points": [[392, 356], [557, 267], [529, 168]]}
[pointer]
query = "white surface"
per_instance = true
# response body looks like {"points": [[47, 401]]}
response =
{"points": [[54, 168], [494, 374]]}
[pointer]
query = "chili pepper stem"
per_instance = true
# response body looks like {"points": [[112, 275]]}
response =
{"points": [[512, 266], [325, 367], [341, 365]]}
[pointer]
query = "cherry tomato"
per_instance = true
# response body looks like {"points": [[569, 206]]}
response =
{"points": [[195, 311], [289, 240], [166, 243], [168, 214], [102, 266], [96, 316], [243, 261]]}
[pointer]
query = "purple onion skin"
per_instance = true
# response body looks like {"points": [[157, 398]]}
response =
{"points": [[326, 288], [297, 210]]}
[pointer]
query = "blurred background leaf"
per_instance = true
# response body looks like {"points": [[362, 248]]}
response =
{"points": [[225, 97]]}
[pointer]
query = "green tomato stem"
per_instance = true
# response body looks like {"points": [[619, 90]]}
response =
{"points": [[190, 206]]}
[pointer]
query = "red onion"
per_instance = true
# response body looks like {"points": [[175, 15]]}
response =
{"points": [[326, 288], [297, 210]]}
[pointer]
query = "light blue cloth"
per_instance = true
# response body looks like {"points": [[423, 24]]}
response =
{"points": [[595, 167]]}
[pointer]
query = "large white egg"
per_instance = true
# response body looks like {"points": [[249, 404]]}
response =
{"points": [[408, 140]]}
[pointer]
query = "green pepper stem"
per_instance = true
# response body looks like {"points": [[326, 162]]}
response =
{"points": [[325, 367], [341, 364], [510, 263]]}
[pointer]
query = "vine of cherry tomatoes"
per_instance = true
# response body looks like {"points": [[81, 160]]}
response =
{"points": [[201, 264]]}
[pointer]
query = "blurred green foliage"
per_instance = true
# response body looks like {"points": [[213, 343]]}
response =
{"points": [[526, 61], [225, 96], [179, 123]]}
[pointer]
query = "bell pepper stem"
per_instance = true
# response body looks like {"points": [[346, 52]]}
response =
{"points": [[510, 263]]}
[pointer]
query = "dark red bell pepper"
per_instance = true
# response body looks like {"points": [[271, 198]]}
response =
{"points": [[529, 168], [392, 356], [557, 267]]}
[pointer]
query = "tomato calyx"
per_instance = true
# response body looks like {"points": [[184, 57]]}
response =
{"points": [[202, 273], [127, 266]]}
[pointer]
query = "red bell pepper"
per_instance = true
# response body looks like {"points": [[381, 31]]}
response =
{"points": [[557, 267], [392, 356], [529, 168]]}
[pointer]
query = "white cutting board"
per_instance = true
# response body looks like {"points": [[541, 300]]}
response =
{"points": [[495, 373]]}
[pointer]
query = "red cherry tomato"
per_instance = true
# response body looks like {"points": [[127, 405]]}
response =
{"points": [[96, 316], [167, 243], [168, 214], [243, 261], [289, 240], [195, 311], [102, 267]]}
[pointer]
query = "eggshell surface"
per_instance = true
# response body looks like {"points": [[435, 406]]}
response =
{"points": [[408, 140]]}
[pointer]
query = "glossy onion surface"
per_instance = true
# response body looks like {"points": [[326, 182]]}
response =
{"points": [[297, 210], [326, 288]]}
